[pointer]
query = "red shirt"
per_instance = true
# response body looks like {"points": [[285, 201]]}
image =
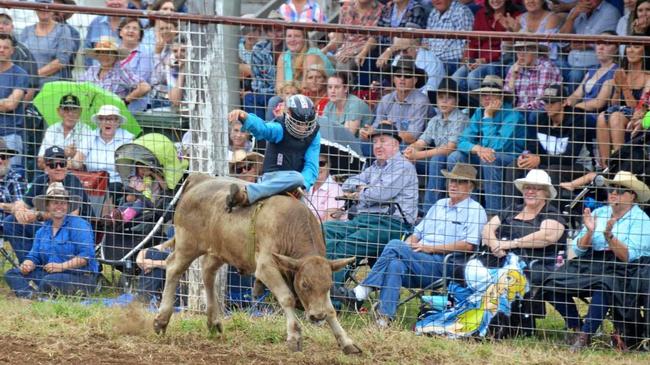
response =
{"points": [[488, 47]]}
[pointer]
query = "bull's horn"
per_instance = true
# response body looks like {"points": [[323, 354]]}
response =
{"points": [[286, 263], [337, 265]]}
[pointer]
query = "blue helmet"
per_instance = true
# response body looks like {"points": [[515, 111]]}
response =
{"points": [[300, 116]]}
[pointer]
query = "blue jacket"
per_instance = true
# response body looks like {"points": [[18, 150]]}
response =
{"points": [[74, 238], [504, 132]]}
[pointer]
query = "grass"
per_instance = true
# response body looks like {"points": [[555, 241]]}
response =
{"points": [[52, 331]]}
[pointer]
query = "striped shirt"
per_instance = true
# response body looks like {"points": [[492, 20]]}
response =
{"points": [[310, 13]]}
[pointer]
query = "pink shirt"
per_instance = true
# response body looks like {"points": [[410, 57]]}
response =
{"points": [[322, 199]]}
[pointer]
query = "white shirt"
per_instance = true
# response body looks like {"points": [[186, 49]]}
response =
{"points": [[101, 154], [80, 136]]}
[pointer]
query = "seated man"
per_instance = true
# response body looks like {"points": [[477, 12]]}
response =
{"points": [[452, 225], [406, 108], [390, 181], [492, 139], [554, 145], [62, 258], [14, 83], [12, 184], [293, 146], [19, 228]]}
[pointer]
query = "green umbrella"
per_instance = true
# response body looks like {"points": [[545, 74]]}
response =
{"points": [[91, 97]]}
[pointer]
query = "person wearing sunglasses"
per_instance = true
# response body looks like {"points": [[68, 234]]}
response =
{"points": [[74, 136], [322, 195], [19, 228], [246, 165], [612, 240]]}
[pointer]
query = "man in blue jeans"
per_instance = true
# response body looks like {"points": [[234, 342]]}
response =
{"points": [[291, 159], [493, 139], [452, 225]]}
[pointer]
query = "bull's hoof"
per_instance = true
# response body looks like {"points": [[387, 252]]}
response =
{"points": [[295, 345], [352, 349], [215, 328], [159, 327]]}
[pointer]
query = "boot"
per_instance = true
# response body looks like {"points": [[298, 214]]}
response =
{"points": [[237, 197], [582, 340]]}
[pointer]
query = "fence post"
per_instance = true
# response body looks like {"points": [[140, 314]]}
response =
{"points": [[213, 94]]}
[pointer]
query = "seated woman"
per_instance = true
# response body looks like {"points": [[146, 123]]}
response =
{"points": [[105, 140], [298, 58], [630, 82], [594, 93], [322, 196], [612, 236], [140, 57], [62, 257], [110, 75], [533, 231], [345, 109], [70, 133]]}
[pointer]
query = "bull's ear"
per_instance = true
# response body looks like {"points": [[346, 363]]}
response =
{"points": [[337, 265], [286, 263]]}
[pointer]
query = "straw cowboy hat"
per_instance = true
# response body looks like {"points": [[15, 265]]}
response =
{"points": [[462, 171], [107, 45], [106, 111], [628, 180], [241, 155], [492, 84], [57, 191], [539, 178], [528, 45]]}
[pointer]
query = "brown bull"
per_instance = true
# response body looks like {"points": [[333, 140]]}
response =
{"points": [[287, 256]]}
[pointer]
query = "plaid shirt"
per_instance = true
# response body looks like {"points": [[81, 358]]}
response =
{"points": [[12, 188], [457, 17], [311, 13], [531, 82], [120, 81], [263, 68], [350, 15], [414, 17]]}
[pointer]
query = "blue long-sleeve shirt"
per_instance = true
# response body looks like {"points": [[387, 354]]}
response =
{"points": [[75, 238], [632, 229], [274, 133], [503, 133]]}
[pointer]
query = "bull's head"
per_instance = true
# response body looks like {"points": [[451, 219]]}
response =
{"points": [[312, 280]]}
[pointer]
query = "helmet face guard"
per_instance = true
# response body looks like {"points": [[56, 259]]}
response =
{"points": [[300, 117]]}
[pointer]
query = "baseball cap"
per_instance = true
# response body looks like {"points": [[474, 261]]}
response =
{"points": [[69, 100], [54, 152], [553, 94]]}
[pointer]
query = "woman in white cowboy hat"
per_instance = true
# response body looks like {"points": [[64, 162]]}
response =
{"points": [[62, 256], [611, 237], [105, 140], [534, 230], [110, 75]]}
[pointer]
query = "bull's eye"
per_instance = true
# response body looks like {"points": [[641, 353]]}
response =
{"points": [[305, 286]]}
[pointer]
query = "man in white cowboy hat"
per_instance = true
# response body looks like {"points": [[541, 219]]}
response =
{"points": [[530, 75], [111, 76], [611, 235], [19, 227], [70, 133], [452, 225], [492, 140], [62, 258], [12, 184]]}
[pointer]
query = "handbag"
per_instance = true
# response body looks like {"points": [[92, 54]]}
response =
{"points": [[95, 183]]}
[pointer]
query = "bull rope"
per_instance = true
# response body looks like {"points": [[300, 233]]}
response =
{"points": [[252, 241]]}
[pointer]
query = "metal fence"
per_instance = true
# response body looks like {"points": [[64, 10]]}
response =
{"points": [[552, 127]]}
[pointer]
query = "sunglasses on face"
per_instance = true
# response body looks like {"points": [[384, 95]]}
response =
{"points": [[617, 190], [56, 164], [240, 169]]}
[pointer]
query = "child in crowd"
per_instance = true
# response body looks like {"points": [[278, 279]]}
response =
{"points": [[287, 89], [143, 188]]}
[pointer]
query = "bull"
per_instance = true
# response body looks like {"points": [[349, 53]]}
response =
{"points": [[279, 241]]}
